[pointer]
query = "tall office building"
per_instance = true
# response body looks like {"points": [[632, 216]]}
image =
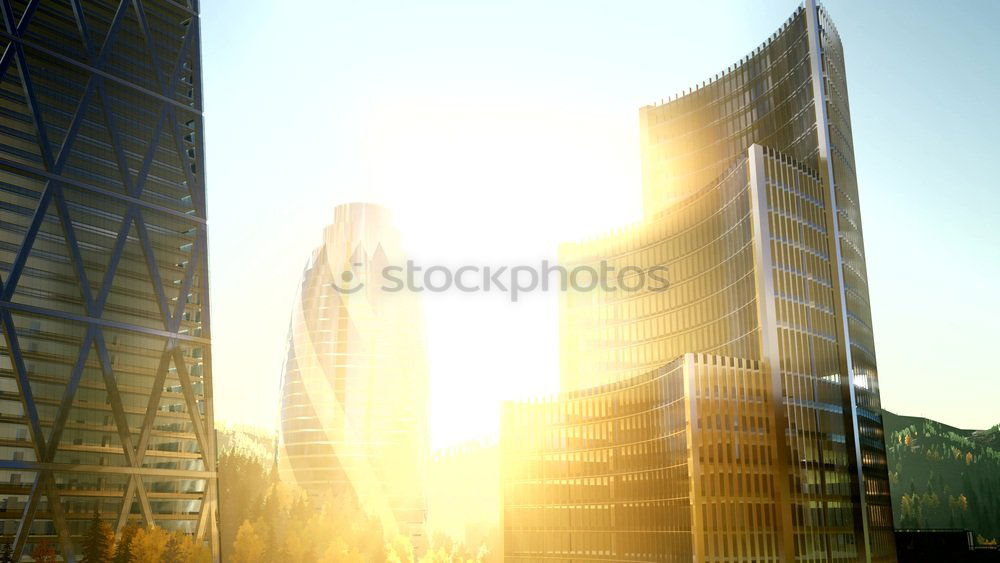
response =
{"points": [[751, 202], [105, 380], [640, 469], [354, 391]]}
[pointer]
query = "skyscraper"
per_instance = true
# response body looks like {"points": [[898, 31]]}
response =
{"points": [[634, 470], [751, 202], [105, 379], [354, 390]]}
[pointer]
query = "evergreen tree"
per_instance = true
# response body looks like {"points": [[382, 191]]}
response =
{"points": [[970, 500], [248, 546], [173, 553], [243, 482], [99, 541], [182, 548], [123, 552]]}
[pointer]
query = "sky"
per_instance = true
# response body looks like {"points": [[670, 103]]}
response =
{"points": [[497, 130]]}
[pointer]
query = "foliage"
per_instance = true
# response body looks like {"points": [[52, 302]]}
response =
{"points": [[400, 550], [149, 545], [243, 481], [287, 527], [248, 547], [98, 542], [267, 521], [136, 545], [444, 549], [123, 551], [152, 544], [43, 552], [246, 441], [943, 477], [182, 548]]}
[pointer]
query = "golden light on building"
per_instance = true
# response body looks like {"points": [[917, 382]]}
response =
{"points": [[751, 203], [354, 391], [605, 473]]}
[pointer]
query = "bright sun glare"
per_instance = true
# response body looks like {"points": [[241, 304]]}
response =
{"points": [[457, 177]]}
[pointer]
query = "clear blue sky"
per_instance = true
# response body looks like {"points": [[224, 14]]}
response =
{"points": [[495, 130]]}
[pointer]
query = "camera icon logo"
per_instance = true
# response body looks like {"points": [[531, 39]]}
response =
{"points": [[348, 281]]}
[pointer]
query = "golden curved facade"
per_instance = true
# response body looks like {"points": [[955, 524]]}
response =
{"points": [[614, 467], [752, 208], [705, 242], [354, 391]]}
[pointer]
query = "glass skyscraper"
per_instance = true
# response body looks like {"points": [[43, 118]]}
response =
{"points": [[105, 380], [633, 470], [355, 388], [751, 203]]}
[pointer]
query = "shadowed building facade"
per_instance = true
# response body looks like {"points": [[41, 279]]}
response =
{"points": [[751, 202], [105, 380], [354, 390]]}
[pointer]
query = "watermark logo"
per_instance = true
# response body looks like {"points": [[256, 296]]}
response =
{"points": [[349, 281], [512, 280]]}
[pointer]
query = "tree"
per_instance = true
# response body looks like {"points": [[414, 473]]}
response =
{"points": [[6, 552], [174, 552], [243, 482], [269, 520], [182, 548], [98, 542], [43, 552], [442, 549], [275, 519], [149, 545], [248, 547], [400, 550], [339, 552], [123, 552]]}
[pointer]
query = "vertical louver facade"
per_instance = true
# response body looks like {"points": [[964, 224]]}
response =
{"points": [[751, 203]]}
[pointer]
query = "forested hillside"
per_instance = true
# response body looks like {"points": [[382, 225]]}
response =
{"points": [[942, 476]]}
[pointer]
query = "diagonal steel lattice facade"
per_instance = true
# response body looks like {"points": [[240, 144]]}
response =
{"points": [[105, 379]]}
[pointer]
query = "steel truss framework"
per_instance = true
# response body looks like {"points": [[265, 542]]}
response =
{"points": [[112, 39]]}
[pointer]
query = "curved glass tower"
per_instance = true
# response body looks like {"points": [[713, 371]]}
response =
{"points": [[354, 393], [751, 202]]}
